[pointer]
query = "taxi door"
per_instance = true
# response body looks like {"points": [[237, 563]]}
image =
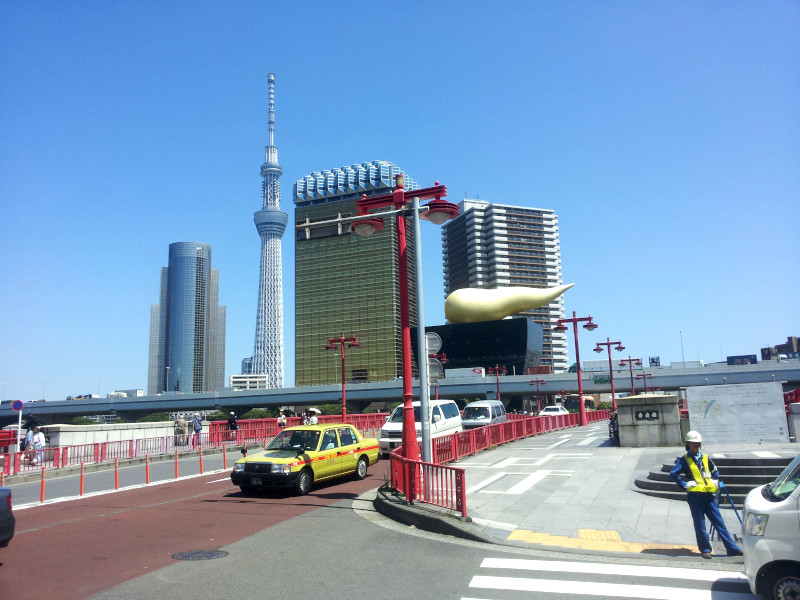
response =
{"points": [[349, 448], [328, 463]]}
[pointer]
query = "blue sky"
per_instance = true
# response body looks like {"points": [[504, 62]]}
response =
{"points": [[666, 136]]}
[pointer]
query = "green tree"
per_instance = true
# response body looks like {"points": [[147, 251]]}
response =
{"points": [[260, 413], [81, 421], [154, 418], [217, 415]]}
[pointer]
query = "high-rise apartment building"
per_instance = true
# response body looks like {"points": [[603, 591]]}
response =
{"points": [[345, 283], [187, 326], [497, 245], [271, 223]]}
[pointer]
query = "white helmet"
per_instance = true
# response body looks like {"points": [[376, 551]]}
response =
{"points": [[693, 436]]}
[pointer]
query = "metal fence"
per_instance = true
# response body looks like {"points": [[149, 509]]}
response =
{"points": [[251, 431]]}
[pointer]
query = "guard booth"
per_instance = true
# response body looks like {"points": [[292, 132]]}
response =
{"points": [[648, 420]]}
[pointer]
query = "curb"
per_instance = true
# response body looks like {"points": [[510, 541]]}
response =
{"points": [[427, 518], [435, 520]]}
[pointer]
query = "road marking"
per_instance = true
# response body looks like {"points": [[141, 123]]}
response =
{"points": [[505, 462], [614, 569], [495, 524], [557, 444], [218, 480], [587, 441], [589, 539], [485, 482], [765, 454], [122, 489], [527, 483], [593, 588]]}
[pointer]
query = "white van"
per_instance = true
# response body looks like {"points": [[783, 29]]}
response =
{"points": [[445, 420], [771, 533], [482, 413]]}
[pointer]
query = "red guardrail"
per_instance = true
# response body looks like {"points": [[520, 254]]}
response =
{"points": [[433, 483], [251, 431]]}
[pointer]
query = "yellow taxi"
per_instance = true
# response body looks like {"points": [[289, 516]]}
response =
{"points": [[299, 456]]}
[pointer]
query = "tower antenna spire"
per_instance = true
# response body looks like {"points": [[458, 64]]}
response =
{"points": [[270, 222], [271, 80]]}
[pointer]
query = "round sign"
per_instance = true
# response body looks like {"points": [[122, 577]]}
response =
{"points": [[433, 341], [17, 405]]}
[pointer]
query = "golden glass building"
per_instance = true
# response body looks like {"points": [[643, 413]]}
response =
{"points": [[346, 283]]}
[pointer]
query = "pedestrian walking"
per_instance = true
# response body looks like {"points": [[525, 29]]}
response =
{"points": [[197, 424], [233, 425], [38, 443], [696, 473], [181, 428]]}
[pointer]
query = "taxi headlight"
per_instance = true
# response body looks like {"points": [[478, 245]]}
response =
{"points": [[384, 433], [238, 467], [755, 524], [281, 469]]}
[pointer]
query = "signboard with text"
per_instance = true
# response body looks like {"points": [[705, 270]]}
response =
{"points": [[748, 413]]}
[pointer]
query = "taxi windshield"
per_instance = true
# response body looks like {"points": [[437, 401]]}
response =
{"points": [[295, 440], [476, 412], [787, 481]]}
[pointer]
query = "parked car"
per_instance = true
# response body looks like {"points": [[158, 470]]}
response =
{"points": [[7, 520], [549, 411], [445, 419], [771, 533], [482, 413], [300, 456]]}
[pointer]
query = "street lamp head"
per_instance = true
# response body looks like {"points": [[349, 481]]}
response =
{"points": [[591, 325], [560, 328], [598, 349], [638, 362], [354, 344], [620, 348], [439, 211], [368, 225]]}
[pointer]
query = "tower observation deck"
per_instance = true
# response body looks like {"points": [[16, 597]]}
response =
{"points": [[271, 223]]}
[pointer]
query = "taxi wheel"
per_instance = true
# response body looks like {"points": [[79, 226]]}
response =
{"points": [[361, 468], [304, 481]]}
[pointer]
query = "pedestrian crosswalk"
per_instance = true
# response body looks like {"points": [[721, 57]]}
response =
{"points": [[529, 578]]}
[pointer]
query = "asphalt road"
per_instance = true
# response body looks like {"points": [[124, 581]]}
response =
{"points": [[329, 544]]}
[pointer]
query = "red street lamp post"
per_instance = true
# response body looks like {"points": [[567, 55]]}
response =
{"points": [[598, 348], [497, 371], [644, 377], [630, 362], [589, 326], [352, 342], [537, 383], [437, 211]]}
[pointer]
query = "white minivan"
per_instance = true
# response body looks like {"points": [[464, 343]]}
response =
{"points": [[445, 420], [482, 413], [771, 532]]}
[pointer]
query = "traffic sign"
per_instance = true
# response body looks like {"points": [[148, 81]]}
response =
{"points": [[17, 405]]}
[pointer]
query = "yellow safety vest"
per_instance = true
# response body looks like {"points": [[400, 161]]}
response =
{"points": [[702, 481]]}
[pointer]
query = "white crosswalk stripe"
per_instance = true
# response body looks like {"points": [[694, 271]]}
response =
{"points": [[634, 581]]}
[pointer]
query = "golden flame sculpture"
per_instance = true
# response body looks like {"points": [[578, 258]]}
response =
{"points": [[470, 305]]}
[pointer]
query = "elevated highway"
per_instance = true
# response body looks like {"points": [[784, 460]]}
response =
{"points": [[359, 396]]}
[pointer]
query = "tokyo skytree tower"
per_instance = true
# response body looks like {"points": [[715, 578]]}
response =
{"points": [[271, 223]]}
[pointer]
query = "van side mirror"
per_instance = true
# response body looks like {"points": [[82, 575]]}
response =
{"points": [[386, 418], [437, 417]]}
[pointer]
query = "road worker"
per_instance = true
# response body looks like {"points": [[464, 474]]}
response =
{"points": [[696, 473]]}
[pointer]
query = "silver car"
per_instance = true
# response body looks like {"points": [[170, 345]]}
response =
{"points": [[7, 521]]}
